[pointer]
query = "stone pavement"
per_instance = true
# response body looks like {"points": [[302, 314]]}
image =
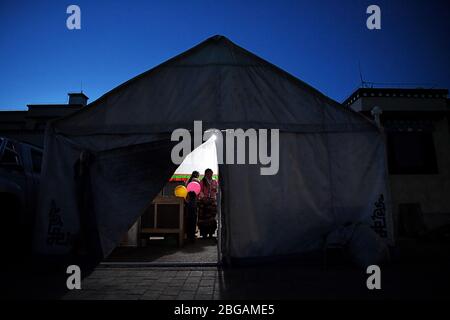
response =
{"points": [[203, 250], [149, 283], [417, 271], [264, 282]]}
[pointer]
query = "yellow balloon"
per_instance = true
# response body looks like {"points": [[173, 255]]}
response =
{"points": [[181, 191]]}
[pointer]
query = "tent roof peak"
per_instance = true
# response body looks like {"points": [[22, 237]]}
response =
{"points": [[216, 50], [249, 85]]}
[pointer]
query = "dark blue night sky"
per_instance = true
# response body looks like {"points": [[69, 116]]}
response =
{"points": [[321, 42]]}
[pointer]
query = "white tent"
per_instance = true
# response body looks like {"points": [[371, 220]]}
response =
{"points": [[332, 160]]}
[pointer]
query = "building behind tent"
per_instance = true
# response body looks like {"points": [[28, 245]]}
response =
{"points": [[29, 125], [417, 127]]}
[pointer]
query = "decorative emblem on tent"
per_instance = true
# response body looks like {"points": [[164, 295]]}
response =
{"points": [[379, 217], [54, 233]]}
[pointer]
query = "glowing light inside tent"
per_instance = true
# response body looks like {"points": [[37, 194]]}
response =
{"points": [[202, 158]]}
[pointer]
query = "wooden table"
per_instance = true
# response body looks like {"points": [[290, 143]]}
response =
{"points": [[165, 215]]}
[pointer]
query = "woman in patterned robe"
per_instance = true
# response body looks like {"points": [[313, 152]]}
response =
{"points": [[207, 209]]}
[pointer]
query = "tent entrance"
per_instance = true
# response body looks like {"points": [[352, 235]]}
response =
{"points": [[160, 234]]}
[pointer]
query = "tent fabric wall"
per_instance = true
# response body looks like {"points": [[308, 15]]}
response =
{"points": [[57, 219], [124, 181], [320, 187], [332, 167], [358, 176], [284, 213], [121, 182]]}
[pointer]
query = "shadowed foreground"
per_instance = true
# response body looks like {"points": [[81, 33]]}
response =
{"points": [[421, 273]]}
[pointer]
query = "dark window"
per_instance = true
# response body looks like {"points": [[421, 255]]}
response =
{"points": [[36, 159], [411, 153], [410, 220]]}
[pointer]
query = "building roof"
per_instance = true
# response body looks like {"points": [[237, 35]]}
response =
{"points": [[419, 93]]}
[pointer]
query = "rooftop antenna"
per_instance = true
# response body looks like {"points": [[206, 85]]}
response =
{"points": [[81, 85], [363, 83]]}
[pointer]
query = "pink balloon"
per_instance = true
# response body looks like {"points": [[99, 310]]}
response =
{"points": [[194, 186]]}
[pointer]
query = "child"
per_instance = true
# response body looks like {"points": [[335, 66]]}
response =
{"points": [[191, 215]]}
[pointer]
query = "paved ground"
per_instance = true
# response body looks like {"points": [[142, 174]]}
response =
{"points": [[202, 251], [421, 271], [281, 282], [149, 283]]}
